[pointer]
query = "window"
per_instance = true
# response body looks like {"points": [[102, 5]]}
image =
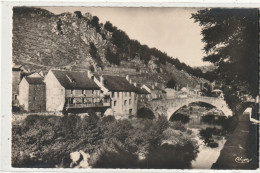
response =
{"points": [[130, 101], [113, 94], [130, 111], [15, 97], [125, 103], [130, 94], [114, 103], [71, 91], [34, 98], [83, 92], [92, 91]]}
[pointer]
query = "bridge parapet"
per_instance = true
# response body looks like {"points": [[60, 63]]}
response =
{"points": [[169, 106]]}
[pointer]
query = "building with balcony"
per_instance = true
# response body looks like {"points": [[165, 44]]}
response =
{"points": [[123, 94], [73, 90]]}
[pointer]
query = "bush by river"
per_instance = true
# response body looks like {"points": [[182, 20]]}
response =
{"points": [[47, 141]]}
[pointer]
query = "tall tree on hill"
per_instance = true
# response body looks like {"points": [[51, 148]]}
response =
{"points": [[109, 27], [171, 84], [94, 54], [231, 44], [95, 23], [112, 57]]}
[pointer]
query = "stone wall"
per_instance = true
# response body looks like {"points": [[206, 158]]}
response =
{"points": [[55, 93], [37, 98]]}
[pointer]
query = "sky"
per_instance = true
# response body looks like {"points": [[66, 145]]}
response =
{"points": [[168, 29]]}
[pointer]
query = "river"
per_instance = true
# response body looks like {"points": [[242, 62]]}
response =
{"points": [[210, 135]]}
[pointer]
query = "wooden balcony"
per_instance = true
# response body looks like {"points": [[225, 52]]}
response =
{"points": [[87, 105]]}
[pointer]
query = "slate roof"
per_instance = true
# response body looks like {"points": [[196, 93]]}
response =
{"points": [[151, 88], [142, 91], [155, 88], [75, 80], [117, 83], [34, 80]]}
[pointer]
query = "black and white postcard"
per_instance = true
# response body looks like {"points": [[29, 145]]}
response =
{"points": [[134, 87]]}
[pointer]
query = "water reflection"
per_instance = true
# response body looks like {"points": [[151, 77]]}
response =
{"points": [[210, 131]]}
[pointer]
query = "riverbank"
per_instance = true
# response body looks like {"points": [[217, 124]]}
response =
{"points": [[240, 150]]}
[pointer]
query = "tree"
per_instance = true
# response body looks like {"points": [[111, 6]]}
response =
{"points": [[112, 57], [95, 23], [109, 27], [94, 54], [231, 44], [171, 83], [78, 14]]}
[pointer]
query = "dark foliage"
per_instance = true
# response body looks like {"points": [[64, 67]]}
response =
{"points": [[228, 123], [95, 23], [109, 27], [47, 141], [94, 54], [112, 57], [171, 157], [171, 84], [78, 14], [207, 136], [231, 44]]}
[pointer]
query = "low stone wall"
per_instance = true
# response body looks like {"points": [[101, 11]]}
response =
{"points": [[21, 116]]}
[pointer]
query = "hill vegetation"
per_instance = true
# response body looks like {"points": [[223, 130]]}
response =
{"points": [[43, 40]]}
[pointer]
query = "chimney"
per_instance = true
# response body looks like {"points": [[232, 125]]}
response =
{"points": [[135, 84], [127, 77], [89, 74], [102, 80]]}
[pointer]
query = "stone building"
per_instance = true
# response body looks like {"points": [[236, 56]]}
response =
{"points": [[16, 78], [143, 95], [123, 94], [156, 92], [73, 90], [32, 94]]}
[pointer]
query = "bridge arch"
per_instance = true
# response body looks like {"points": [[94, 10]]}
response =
{"points": [[145, 113], [181, 107], [168, 106], [218, 103]]}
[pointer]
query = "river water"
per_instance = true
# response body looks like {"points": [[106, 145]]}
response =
{"points": [[208, 154]]}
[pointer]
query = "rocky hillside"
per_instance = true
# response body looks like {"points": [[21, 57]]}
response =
{"points": [[43, 41]]}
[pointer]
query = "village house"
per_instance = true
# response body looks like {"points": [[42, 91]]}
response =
{"points": [[123, 94], [142, 94], [196, 90], [73, 90], [32, 94], [156, 92]]}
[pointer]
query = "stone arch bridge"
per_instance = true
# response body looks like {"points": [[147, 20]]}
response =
{"points": [[169, 106]]}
